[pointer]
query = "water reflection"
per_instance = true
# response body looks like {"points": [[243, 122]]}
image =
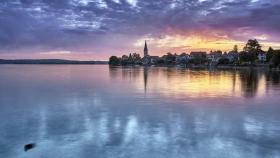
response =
{"points": [[273, 78], [192, 132], [145, 78], [249, 82], [137, 112], [215, 83]]}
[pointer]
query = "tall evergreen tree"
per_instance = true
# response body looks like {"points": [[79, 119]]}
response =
{"points": [[252, 48], [269, 54], [235, 48]]}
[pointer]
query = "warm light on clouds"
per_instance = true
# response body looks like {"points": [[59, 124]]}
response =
{"points": [[205, 40], [262, 37], [191, 43]]}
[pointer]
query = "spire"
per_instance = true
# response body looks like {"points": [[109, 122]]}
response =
{"points": [[146, 45], [145, 49]]}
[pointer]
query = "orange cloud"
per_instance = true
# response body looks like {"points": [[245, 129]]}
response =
{"points": [[206, 40]]}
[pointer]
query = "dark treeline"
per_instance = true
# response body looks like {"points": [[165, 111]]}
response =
{"points": [[49, 61]]}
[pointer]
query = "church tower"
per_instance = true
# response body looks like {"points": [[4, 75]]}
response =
{"points": [[145, 50]]}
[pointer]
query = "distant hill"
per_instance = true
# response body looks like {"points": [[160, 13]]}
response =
{"points": [[49, 61]]}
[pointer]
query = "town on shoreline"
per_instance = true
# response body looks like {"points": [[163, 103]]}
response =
{"points": [[252, 55]]}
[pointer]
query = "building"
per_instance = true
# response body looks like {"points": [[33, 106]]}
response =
{"points": [[215, 56], [198, 55], [232, 56], [146, 59], [154, 59], [262, 56], [182, 58], [146, 51]]}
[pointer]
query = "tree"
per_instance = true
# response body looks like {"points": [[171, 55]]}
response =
{"points": [[269, 55], [251, 50], [136, 58], [235, 49], [170, 58], [224, 61], [130, 59], [252, 46], [247, 57], [124, 60], [276, 58], [113, 60]]}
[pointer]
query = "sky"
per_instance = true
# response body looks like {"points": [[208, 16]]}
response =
{"points": [[97, 29]]}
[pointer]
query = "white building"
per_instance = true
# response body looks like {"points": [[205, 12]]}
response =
{"points": [[262, 56]]}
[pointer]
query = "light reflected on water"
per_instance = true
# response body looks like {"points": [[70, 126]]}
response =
{"points": [[179, 82], [97, 111]]}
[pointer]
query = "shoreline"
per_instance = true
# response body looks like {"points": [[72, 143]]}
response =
{"points": [[50, 62], [221, 67], [204, 67]]}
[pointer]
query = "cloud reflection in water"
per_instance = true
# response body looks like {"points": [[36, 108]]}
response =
{"points": [[104, 112]]}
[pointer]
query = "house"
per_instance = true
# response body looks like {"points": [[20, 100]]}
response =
{"points": [[182, 58], [262, 56], [154, 59], [232, 56], [215, 56], [146, 60], [198, 55]]}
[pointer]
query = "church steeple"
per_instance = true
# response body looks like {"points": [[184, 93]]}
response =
{"points": [[145, 50]]}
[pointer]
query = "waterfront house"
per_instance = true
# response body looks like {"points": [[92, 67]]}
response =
{"points": [[232, 56], [154, 59], [215, 56], [182, 58], [262, 56], [198, 55]]}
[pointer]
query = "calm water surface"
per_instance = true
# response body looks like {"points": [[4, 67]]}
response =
{"points": [[73, 111]]}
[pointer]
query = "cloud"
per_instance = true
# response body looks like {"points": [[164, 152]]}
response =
{"points": [[112, 26], [56, 52]]}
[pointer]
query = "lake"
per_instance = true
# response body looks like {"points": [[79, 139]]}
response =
{"points": [[72, 111]]}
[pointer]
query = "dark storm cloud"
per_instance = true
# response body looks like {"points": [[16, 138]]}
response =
{"points": [[76, 24]]}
